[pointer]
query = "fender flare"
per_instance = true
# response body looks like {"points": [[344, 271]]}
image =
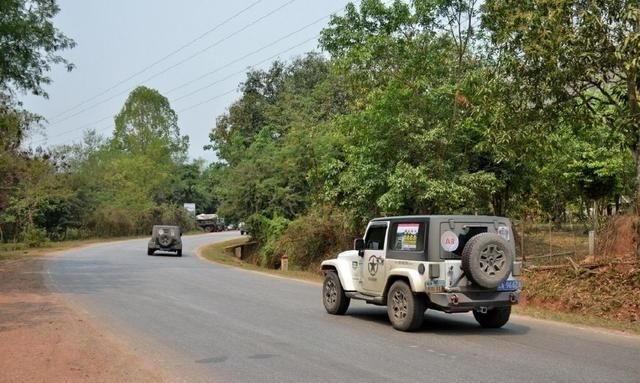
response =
{"points": [[416, 281], [343, 269]]}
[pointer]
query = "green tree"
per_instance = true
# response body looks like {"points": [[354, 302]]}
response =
{"points": [[29, 43], [148, 126], [558, 52]]}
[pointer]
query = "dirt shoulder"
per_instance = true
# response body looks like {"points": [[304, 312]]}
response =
{"points": [[43, 340]]}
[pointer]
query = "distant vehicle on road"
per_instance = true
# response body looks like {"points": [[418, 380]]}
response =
{"points": [[243, 228], [165, 238], [447, 263], [209, 222]]}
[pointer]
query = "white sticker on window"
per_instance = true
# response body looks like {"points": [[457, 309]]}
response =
{"points": [[503, 231], [449, 241], [407, 236]]}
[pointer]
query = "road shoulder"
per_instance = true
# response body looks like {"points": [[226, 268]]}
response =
{"points": [[42, 339]]}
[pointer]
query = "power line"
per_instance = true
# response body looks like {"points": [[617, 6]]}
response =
{"points": [[253, 52], [199, 52], [218, 69], [172, 53], [179, 111], [88, 125], [242, 71]]}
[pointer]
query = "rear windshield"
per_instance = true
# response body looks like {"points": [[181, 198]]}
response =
{"points": [[166, 230], [453, 240]]}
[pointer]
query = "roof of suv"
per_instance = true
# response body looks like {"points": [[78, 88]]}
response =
{"points": [[471, 218]]}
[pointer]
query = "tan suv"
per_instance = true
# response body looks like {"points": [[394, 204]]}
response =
{"points": [[413, 263]]}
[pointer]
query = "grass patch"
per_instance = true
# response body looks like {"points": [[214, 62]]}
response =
{"points": [[21, 250], [577, 319], [216, 253]]}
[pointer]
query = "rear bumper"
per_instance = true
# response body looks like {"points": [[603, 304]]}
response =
{"points": [[460, 302], [168, 248]]}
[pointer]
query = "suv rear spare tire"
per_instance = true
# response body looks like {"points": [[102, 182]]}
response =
{"points": [[487, 260]]}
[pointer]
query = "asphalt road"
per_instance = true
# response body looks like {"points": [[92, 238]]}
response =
{"points": [[206, 322]]}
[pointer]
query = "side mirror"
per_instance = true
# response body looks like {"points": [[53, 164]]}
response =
{"points": [[358, 244]]}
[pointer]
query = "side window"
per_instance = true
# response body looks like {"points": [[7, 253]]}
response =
{"points": [[407, 236], [375, 238]]}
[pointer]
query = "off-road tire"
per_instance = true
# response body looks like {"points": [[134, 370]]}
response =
{"points": [[179, 253], [333, 297], [494, 318], [150, 251], [405, 309], [487, 260]]}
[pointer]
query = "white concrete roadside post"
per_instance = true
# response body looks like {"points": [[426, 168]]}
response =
{"points": [[592, 242], [284, 263]]}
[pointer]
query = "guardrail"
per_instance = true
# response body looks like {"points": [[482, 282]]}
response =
{"points": [[243, 251]]}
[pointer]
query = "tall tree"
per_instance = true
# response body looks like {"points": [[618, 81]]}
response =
{"points": [[147, 125], [29, 46], [562, 51]]}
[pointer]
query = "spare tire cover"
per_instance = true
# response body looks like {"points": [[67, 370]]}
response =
{"points": [[165, 240], [487, 260]]}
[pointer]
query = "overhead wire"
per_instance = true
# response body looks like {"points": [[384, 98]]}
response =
{"points": [[215, 70], [192, 56], [88, 125], [163, 58]]}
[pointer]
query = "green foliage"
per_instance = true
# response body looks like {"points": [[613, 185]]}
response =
{"points": [[430, 107], [313, 237], [29, 43], [34, 236], [518, 108], [117, 187], [147, 125], [268, 232], [558, 52]]}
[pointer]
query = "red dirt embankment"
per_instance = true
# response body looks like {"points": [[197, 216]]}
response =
{"points": [[605, 285], [42, 340]]}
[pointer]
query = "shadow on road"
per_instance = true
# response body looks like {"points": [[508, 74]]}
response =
{"points": [[167, 254], [441, 323]]}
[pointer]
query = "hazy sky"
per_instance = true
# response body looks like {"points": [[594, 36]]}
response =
{"points": [[118, 38]]}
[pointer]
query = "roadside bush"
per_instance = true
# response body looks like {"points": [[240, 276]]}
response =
{"points": [[34, 236], [319, 235], [72, 234], [268, 232], [112, 222], [166, 215]]}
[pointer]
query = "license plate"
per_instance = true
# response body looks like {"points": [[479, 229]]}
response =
{"points": [[509, 285]]}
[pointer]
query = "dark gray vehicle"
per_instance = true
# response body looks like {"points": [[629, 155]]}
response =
{"points": [[165, 238], [447, 263]]}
